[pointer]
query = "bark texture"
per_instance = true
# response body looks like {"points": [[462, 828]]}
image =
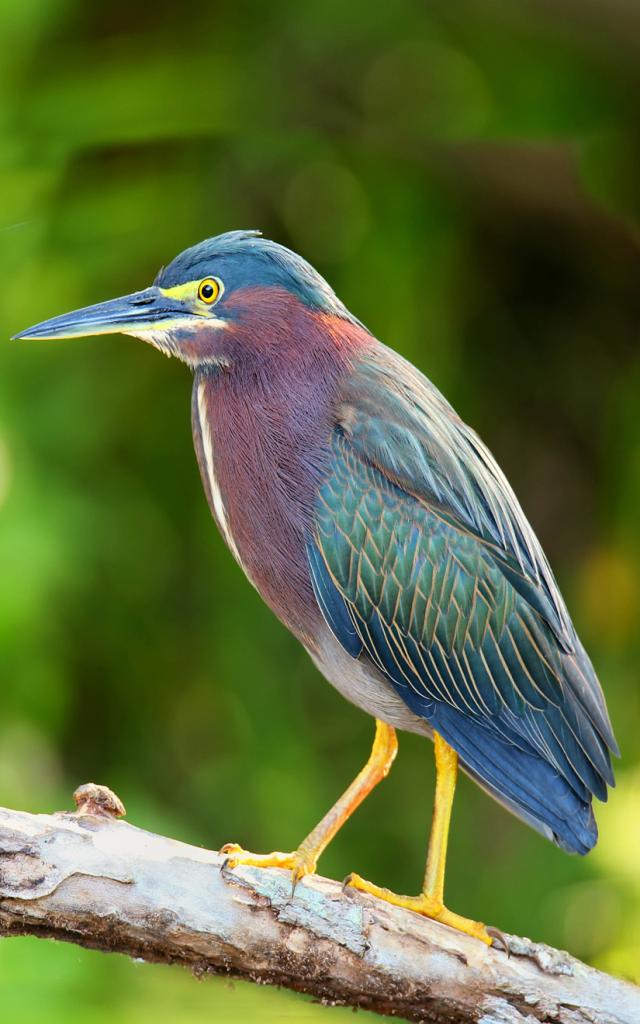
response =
{"points": [[102, 883]]}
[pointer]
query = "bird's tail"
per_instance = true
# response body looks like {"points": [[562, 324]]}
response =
{"points": [[522, 781]]}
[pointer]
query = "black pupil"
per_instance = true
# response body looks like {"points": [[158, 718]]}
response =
{"points": [[207, 291]]}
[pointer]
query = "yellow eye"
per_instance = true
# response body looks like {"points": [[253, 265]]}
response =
{"points": [[209, 290]]}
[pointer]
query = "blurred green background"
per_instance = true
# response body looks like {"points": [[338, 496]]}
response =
{"points": [[466, 175]]}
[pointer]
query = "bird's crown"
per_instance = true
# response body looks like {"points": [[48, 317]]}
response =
{"points": [[244, 259]]}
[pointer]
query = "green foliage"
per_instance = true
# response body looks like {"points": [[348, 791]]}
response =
{"points": [[466, 176]]}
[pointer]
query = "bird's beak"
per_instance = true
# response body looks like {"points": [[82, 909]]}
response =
{"points": [[146, 311]]}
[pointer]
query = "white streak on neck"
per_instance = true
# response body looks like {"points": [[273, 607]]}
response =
{"points": [[218, 505]]}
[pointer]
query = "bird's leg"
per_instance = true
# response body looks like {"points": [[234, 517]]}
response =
{"points": [[303, 860], [431, 900]]}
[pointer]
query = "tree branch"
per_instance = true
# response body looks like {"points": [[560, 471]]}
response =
{"points": [[90, 879]]}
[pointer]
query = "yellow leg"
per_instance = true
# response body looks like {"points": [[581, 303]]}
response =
{"points": [[303, 860], [431, 901]]}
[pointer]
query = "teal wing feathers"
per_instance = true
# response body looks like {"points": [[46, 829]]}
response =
{"points": [[423, 560]]}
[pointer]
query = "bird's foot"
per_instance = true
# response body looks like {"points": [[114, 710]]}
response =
{"points": [[299, 862], [423, 904]]}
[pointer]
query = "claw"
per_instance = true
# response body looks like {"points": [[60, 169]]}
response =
{"points": [[296, 874], [230, 848], [498, 939]]}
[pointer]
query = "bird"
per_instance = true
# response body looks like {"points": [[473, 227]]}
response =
{"points": [[380, 530]]}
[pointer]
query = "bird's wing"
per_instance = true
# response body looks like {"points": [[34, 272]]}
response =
{"points": [[423, 558]]}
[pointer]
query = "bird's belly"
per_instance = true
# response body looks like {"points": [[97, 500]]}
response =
{"points": [[362, 684]]}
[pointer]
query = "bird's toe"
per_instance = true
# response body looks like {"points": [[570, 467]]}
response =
{"points": [[425, 904], [297, 862]]}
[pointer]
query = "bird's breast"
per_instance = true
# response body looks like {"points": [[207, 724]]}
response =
{"points": [[260, 454]]}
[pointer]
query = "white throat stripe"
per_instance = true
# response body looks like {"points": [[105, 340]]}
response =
{"points": [[216, 496]]}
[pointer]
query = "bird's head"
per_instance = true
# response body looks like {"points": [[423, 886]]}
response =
{"points": [[208, 301]]}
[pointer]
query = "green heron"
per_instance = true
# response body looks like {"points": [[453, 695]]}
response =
{"points": [[380, 530]]}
